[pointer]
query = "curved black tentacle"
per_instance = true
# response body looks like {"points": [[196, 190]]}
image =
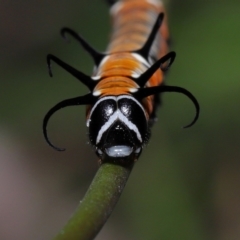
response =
{"points": [[86, 80], [83, 100], [97, 56], [144, 51], [145, 92], [142, 80]]}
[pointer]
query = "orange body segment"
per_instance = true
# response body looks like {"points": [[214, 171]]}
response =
{"points": [[132, 24]]}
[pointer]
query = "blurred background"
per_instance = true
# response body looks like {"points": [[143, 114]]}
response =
{"points": [[186, 184]]}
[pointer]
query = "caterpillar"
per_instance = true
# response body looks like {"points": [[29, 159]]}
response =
{"points": [[126, 82]]}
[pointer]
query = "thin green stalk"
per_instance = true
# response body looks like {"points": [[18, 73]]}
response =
{"points": [[97, 204]]}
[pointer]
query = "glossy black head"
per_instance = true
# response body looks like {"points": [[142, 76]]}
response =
{"points": [[118, 127]]}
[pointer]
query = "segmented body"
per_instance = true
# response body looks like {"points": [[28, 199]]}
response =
{"points": [[132, 23], [126, 82]]}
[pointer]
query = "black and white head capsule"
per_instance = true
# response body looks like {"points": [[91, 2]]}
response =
{"points": [[118, 127]]}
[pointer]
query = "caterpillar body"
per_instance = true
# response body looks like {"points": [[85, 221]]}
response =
{"points": [[126, 82]]}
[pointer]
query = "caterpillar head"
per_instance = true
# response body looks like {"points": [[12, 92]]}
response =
{"points": [[118, 127]]}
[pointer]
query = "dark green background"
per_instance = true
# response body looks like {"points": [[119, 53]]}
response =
{"points": [[186, 184]]}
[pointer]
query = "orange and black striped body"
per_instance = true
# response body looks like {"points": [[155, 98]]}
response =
{"points": [[126, 82], [132, 23]]}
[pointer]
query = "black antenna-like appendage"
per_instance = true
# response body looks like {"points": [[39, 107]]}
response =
{"points": [[168, 58], [97, 56], [145, 50], [83, 100], [145, 92], [86, 80]]}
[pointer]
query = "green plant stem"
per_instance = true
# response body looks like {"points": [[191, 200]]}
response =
{"points": [[97, 204]]}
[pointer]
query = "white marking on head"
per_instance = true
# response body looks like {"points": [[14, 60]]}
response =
{"points": [[130, 125], [108, 111], [116, 7], [119, 151], [96, 104], [118, 116], [133, 99], [104, 128], [115, 116]]}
